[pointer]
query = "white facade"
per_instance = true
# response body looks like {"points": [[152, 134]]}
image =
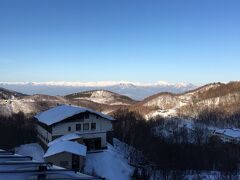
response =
{"points": [[44, 135], [102, 125], [91, 126]]}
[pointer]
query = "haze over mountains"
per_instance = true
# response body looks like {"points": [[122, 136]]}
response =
{"points": [[137, 91]]}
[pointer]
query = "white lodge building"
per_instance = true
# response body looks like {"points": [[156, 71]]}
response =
{"points": [[90, 126]]}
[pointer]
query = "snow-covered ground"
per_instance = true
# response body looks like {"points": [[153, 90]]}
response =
{"points": [[109, 164], [162, 113], [34, 150], [211, 175]]}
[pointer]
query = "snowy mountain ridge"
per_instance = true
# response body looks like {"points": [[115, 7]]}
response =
{"points": [[102, 97], [8, 94], [134, 90], [215, 95]]}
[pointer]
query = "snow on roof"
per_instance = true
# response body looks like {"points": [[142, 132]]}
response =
{"points": [[66, 146], [62, 112], [235, 133], [67, 137]]}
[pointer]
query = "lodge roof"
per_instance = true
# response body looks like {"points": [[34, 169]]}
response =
{"points": [[66, 146], [62, 112]]}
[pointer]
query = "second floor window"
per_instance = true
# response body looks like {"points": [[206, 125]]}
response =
{"points": [[78, 127], [86, 116], [86, 126], [93, 126]]}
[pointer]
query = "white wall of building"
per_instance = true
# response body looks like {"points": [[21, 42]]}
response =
{"points": [[44, 135], [102, 125]]}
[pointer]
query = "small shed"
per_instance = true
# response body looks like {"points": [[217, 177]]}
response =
{"points": [[66, 154]]}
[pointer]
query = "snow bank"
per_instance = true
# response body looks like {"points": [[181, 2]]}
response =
{"points": [[109, 164], [34, 150]]}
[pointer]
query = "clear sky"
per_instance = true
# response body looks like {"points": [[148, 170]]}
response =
{"points": [[195, 41]]}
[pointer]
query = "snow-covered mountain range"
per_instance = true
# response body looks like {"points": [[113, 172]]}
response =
{"points": [[225, 97], [134, 90]]}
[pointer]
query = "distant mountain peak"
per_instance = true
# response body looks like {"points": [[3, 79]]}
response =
{"points": [[163, 83], [102, 97]]}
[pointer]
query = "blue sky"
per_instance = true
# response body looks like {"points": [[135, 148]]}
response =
{"points": [[133, 40]]}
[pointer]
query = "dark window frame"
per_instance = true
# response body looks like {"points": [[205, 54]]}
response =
{"points": [[78, 127], [86, 116], [93, 126]]}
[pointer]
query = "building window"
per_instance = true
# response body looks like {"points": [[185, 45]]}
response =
{"points": [[69, 128], [85, 126], [93, 126], [86, 116], [78, 127]]}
